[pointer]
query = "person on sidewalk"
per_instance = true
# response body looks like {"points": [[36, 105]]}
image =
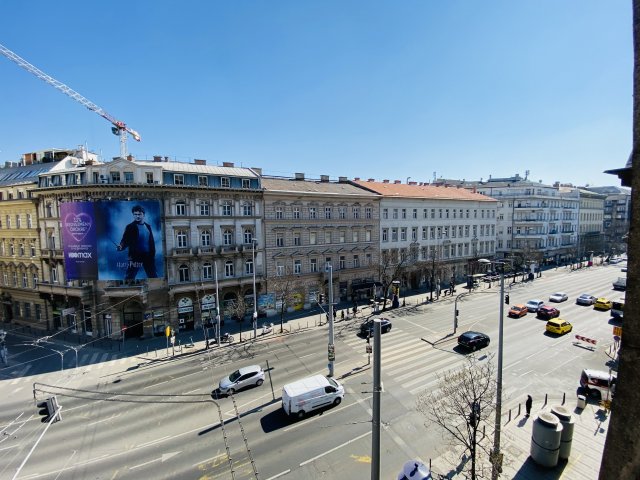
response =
{"points": [[528, 404]]}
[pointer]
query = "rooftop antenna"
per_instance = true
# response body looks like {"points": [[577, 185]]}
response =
{"points": [[526, 174]]}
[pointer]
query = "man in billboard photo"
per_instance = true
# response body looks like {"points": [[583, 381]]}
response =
{"points": [[138, 239]]}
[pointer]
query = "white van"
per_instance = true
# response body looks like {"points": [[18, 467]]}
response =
{"points": [[311, 393], [597, 383]]}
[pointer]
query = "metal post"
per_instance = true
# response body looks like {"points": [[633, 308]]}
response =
{"points": [[497, 460], [377, 391], [331, 345], [255, 306], [215, 269]]}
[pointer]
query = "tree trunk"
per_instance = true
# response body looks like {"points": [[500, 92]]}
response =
{"points": [[621, 457]]}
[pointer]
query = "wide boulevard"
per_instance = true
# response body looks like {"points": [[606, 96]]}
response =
{"points": [[154, 416]]}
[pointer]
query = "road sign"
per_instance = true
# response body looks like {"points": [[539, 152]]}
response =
{"points": [[332, 352], [617, 331], [167, 331]]}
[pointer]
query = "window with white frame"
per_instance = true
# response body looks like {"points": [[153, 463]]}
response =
{"points": [[248, 267], [327, 212], [296, 212], [342, 262], [403, 234], [207, 271], [205, 208], [415, 213], [367, 235], [18, 221], [5, 279], [368, 258], [414, 234], [342, 236], [356, 212], [178, 179], [21, 250], [368, 212], [279, 239], [296, 239], [342, 213], [227, 208], [203, 181], [279, 269], [355, 236], [128, 177], [181, 209], [247, 209], [394, 234], [395, 213], [279, 213], [313, 213], [313, 238], [181, 239], [229, 271], [29, 221], [424, 213], [25, 282], [385, 234], [34, 279], [149, 177], [425, 233], [12, 249], [404, 213], [385, 213], [183, 273], [433, 213], [205, 238], [227, 237], [8, 221], [115, 177], [225, 182], [247, 236], [54, 275], [297, 267], [314, 265], [246, 183], [466, 230], [327, 237], [32, 247], [356, 261]]}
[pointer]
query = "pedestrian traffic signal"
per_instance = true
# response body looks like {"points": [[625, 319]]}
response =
{"points": [[506, 298], [321, 298], [49, 408]]}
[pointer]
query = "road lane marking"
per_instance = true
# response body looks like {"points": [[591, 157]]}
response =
{"points": [[335, 448], [103, 420]]}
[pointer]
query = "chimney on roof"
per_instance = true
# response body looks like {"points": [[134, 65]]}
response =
{"points": [[258, 170], [324, 178], [397, 182], [166, 159], [342, 179], [157, 158], [299, 176], [371, 180], [385, 181], [130, 157], [227, 164], [356, 179], [198, 161], [413, 183]]}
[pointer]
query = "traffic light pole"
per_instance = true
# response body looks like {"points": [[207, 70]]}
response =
{"points": [[331, 346]]}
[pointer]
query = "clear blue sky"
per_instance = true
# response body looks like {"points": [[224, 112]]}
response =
{"points": [[371, 89]]}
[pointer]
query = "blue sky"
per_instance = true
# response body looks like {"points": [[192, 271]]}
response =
{"points": [[375, 89]]}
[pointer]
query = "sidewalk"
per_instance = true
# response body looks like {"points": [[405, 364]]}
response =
{"points": [[589, 435]]}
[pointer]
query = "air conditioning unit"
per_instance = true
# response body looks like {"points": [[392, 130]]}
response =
{"points": [[104, 179]]}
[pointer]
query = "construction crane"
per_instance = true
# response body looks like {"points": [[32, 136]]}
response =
{"points": [[119, 128]]}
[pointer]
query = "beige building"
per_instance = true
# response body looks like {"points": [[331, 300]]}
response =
{"points": [[309, 224], [591, 223]]}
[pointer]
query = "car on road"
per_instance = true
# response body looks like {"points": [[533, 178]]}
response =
{"points": [[586, 299], [242, 378], [602, 304], [558, 326], [534, 305], [559, 297], [366, 328], [473, 340], [517, 311], [547, 312]]}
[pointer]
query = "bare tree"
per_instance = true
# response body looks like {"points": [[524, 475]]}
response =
{"points": [[285, 287], [463, 405], [237, 309], [391, 268]]}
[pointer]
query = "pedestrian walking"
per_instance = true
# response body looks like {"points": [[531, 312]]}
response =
{"points": [[528, 404]]}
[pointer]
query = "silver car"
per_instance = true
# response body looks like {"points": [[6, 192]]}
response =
{"points": [[534, 305], [242, 378], [559, 297]]}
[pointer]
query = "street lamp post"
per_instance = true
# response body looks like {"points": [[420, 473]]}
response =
{"points": [[496, 464], [255, 304], [331, 346]]}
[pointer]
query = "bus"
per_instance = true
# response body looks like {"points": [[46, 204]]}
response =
{"points": [[617, 308]]}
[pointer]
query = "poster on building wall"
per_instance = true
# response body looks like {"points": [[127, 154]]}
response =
{"points": [[117, 240]]}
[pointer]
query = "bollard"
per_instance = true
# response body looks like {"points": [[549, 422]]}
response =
{"points": [[564, 397], [509, 416], [519, 408], [545, 398]]}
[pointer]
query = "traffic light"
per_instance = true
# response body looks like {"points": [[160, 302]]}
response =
{"points": [[321, 299], [49, 408], [506, 298]]}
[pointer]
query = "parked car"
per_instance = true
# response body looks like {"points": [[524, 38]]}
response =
{"points": [[597, 383], [242, 378], [534, 305], [602, 304], [586, 299], [559, 297], [517, 311], [558, 326], [547, 312], [366, 328], [473, 340]]}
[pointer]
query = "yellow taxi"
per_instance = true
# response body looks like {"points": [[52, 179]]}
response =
{"points": [[558, 326], [602, 304]]}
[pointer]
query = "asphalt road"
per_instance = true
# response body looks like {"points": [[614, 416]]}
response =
{"points": [[156, 418]]}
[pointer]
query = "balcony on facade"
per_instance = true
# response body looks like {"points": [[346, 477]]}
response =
{"points": [[69, 289], [52, 253], [121, 288], [176, 286]]}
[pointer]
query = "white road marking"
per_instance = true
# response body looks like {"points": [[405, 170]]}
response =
{"points": [[335, 448]]}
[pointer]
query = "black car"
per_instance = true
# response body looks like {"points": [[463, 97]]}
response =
{"points": [[366, 328], [473, 340]]}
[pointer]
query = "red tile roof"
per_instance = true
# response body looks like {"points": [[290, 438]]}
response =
{"points": [[402, 190]]}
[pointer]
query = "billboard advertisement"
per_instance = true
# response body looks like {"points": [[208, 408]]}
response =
{"points": [[112, 240]]}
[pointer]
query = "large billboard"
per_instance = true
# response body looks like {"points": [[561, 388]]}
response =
{"points": [[112, 240]]}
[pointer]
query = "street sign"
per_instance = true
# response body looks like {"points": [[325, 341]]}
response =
{"points": [[332, 352], [167, 331], [617, 331]]}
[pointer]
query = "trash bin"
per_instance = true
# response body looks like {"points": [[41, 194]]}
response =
{"points": [[582, 402]]}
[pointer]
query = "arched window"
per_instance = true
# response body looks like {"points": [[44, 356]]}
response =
{"points": [[183, 273], [248, 236], [207, 271], [205, 238], [181, 239], [227, 236]]}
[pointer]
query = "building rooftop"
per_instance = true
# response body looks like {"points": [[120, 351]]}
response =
{"points": [[403, 190], [291, 185]]}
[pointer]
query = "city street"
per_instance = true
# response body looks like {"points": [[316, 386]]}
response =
{"points": [[154, 417]]}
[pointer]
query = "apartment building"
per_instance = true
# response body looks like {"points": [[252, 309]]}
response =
{"points": [[432, 235], [617, 217]]}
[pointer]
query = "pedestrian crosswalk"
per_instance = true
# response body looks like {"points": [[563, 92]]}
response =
{"points": [[409, 361]]}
